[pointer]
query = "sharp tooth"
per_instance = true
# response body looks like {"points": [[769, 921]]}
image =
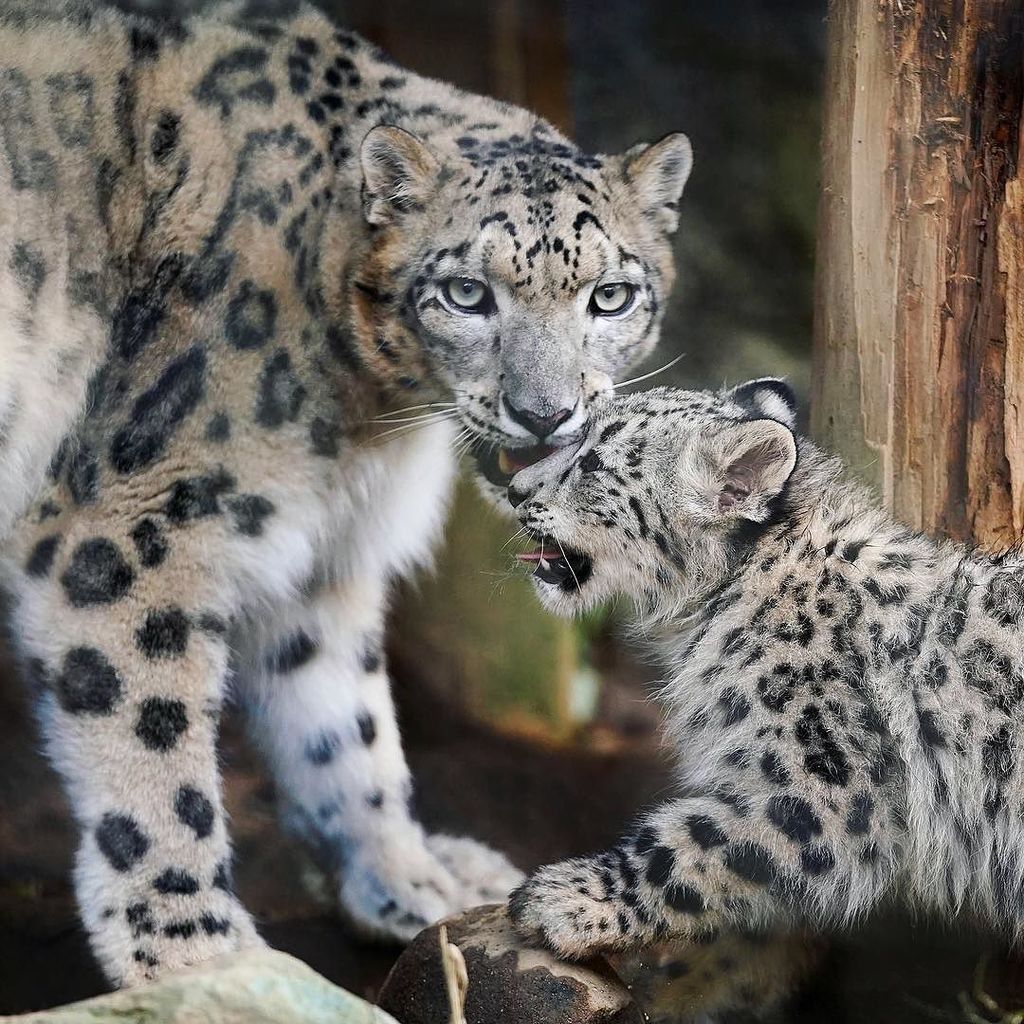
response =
{"points": [[545, 564], [505, 463]]}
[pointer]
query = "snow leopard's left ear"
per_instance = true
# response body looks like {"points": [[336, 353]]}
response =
{"points": [[766, 398], [657, 174], [753, 461]]}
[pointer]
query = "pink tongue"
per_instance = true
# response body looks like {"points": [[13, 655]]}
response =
{"points": [[539, 555]]}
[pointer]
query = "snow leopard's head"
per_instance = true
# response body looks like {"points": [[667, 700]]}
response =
{"points": [[526, 274], [655, 500]]}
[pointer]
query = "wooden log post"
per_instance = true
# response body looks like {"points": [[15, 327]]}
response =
{"points": [[918, 376]]}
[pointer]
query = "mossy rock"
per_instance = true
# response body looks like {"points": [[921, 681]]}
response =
{"points": [[255, 987]]}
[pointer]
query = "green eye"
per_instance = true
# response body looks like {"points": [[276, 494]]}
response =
{"points": [[468, 294], [611, 298]]}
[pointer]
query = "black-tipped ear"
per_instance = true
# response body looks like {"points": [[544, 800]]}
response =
{"points": [[657, 173], [767, 398], [754, 462], [399, 173]]}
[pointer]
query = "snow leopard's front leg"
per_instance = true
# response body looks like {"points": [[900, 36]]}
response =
{"points": [[323, 712], [116, 618], [698, 865]]}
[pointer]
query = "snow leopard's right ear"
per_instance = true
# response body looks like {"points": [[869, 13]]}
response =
{"points": [[766, 398], [399, 173], [753, 460]]}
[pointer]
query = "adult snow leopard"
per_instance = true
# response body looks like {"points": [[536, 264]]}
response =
{"points": [[845, 695], [233, 248]]}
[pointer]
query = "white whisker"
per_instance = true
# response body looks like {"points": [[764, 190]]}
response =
{"points": [[653, 373], [464, 443], [417, 424], [443, 414], [521, 532], [414, 408], [567, 562], [501, 579]]}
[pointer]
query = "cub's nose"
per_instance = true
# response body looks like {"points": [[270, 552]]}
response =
{"points": [[538, 425], [516, 495]]}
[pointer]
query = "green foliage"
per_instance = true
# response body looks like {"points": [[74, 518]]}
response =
{"points": [[476, 630]]}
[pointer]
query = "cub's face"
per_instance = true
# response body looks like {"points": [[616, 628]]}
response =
{"points": [[531, 274], [654, 500]]}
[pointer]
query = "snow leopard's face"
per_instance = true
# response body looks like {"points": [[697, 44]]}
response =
{"points": [[653, 501], [531, 274]]}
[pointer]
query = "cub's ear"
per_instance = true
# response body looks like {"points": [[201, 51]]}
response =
{"points": [[753, 462], [399, 173], [657, 174], [766, 398]]}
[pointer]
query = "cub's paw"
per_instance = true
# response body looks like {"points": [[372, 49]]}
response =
{"points": [[396, 893], [568, 909], [484, 874]]}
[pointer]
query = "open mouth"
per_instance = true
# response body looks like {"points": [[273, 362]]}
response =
{"points": [[499, 465], [559, 565]]}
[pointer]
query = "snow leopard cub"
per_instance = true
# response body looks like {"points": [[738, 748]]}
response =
{"points": [[844, 693]]}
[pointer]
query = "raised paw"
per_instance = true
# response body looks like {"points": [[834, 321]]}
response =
{"points": [[572, 909], [485, 875]]}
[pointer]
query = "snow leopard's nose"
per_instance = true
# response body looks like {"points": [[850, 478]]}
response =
{"points": [[541, 426]]}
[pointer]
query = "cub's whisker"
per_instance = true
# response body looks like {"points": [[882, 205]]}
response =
{"points": [[520, 533], [565, 558]]}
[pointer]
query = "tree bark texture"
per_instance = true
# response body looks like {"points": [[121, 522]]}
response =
{"points": [[919, 310]]}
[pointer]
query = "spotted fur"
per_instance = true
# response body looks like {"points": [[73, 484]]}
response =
{"points": [[844, 695], [223, 278]]}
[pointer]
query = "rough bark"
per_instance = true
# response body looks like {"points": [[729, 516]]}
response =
{"points": [[919, 319]]}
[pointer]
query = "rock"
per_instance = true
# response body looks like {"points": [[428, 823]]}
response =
{"points": [[255, 987], [508, 981]]}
